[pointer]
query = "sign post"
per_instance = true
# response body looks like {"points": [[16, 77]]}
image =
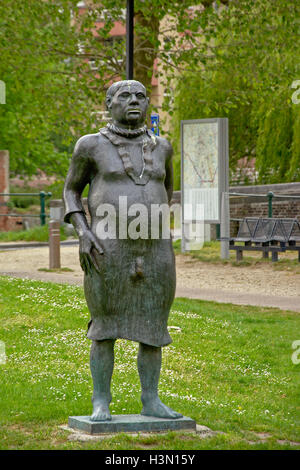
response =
{"points": [[155, 123], [129, 39], [225, 226], [204, 171]]}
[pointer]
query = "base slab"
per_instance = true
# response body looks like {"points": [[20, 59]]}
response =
{"points": [[130, 423]]}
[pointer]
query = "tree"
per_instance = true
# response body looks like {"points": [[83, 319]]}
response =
{"points": [[58, 59], [44, 102], [57, 64]]}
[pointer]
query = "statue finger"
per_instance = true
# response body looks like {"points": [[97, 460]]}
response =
{"points": [[94, 261], [98, 247], [89, 263], [82, 259]]}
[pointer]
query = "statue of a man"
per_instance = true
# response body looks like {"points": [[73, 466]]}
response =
{"points": [[129, 283]]}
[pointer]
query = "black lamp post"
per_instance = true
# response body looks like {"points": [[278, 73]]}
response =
{"points": [[129, 39]]}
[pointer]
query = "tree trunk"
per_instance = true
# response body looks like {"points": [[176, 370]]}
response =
{"points": [[144, 52]]}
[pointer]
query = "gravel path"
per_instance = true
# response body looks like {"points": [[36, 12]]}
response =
{"points": [[262, 279], [250, 285]]}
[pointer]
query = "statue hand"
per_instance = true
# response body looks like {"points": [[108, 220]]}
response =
{"points": [[88, 243]]}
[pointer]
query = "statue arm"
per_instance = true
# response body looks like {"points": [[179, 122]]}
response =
{"points": [[79, 175], [77, 178]]}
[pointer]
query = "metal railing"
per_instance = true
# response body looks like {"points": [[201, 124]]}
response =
{"points": [[42, 195], [270, 196]]}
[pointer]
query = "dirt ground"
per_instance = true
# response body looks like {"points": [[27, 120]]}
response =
{"points": [[262, 279], [191, 273]]}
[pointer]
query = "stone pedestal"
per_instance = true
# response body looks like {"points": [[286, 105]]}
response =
{"points": [[130, 423]]}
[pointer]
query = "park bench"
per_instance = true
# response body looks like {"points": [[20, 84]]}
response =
{"points": [[268, 235]]}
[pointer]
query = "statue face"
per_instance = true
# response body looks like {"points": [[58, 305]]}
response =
{"points": [[129, 106]]}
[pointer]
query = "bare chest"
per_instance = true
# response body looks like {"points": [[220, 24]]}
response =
{"points": [[131, 160]]}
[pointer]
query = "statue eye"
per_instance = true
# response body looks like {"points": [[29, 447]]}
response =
{"points": [[124, 95], [141, 96]]}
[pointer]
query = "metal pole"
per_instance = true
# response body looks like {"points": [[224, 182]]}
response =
{"points": [[54, 244], [42, 203], [129, 39], [225, 227], [270, 208]]}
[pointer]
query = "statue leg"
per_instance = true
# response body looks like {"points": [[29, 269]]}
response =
{"points": [[102, 364], [149, 365]]}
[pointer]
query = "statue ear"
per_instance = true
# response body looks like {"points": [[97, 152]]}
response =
{"points": [[108, 103]]}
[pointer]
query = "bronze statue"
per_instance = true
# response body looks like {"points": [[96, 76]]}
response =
{"points": [[129, 283]]}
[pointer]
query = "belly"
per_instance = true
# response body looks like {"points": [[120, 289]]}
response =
{"points": [[131, 208], [109, 191]]}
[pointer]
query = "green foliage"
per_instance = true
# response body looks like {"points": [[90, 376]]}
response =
{"points": [[23, 201], [246, 61], [43, 99], [56, 189], [208, 95], [40, 233], [274, 141], [294, 169], [57, 66], [230, 58]]}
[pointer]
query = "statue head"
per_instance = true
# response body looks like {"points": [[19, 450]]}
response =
{"points": [[127, 103]]}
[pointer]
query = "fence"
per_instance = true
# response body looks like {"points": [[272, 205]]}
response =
{"points": [[270, 197], [42, 195]]}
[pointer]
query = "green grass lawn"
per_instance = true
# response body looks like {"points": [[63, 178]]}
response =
{"points": [[40, 233], [229, 368]]}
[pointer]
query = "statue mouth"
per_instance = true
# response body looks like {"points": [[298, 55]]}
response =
{"points": [[134, 111]]}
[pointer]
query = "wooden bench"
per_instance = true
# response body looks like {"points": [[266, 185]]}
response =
{"points": [[268, 235]]}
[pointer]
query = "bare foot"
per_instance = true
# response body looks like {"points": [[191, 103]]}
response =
{"points": [[154, 407], [100, 411]]}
